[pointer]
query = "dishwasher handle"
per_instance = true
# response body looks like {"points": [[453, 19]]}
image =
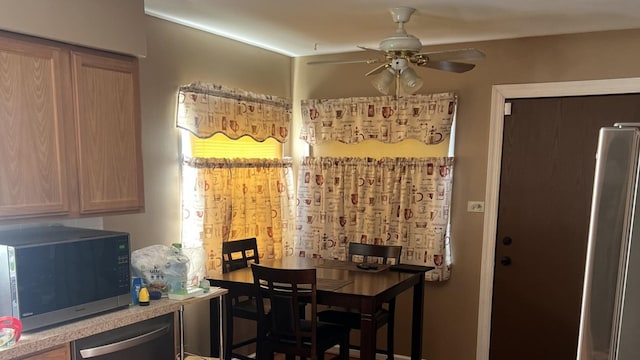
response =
{"points": [[124, 344]]}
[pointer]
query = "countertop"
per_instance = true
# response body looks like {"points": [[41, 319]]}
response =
{"points": [[36, 341]]}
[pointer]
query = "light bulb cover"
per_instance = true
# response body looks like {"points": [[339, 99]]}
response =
{"points": [[410, 81], [383, 82]]}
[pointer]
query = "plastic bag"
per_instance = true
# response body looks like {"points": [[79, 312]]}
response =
{"points": [[197, 259], [10, 329], [162, 268]]}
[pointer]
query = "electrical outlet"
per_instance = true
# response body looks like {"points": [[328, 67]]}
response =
{"points": [[475, 206]]}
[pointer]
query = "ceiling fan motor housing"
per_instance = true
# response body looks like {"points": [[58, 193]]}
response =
{"points": [[404, 42], [401, 41]]}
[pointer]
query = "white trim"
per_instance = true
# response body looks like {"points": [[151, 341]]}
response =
{"points": [[499, 94]]}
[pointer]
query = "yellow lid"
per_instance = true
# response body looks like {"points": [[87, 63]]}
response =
{"points": [[144, 295]]}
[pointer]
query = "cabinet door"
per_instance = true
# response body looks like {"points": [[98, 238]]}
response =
{"points": [[107, 125], [33, 173], [59, 353]]}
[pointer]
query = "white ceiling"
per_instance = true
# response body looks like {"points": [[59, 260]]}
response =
{"points": [[305, 27]]}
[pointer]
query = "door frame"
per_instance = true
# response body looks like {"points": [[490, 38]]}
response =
{"points": [[498, 96]]}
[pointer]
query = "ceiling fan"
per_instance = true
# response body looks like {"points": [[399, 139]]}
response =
{"points": [[402, 49]]}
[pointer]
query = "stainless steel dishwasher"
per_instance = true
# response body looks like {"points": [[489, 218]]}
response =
{"points": [[152, 339]]}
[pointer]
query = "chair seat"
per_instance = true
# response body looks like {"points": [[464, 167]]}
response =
{"points": [[351, 319]]}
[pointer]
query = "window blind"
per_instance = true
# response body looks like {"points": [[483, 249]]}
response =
{"points": [[220, 146]]}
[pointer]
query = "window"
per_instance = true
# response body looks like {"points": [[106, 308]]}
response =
{"points": [[235, 182]]}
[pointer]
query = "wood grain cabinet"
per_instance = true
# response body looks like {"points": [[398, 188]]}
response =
{"points": [[33, 161], [70, 131], [59, 353], [107, 126]]}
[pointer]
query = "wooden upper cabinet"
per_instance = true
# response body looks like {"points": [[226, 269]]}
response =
{"points": [[70, 137], [107, 128], [33, 162]]}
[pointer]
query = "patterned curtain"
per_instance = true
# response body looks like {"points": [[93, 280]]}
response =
{"points": [[395, 201], [426, 118], [207, 109], [231, 199]]}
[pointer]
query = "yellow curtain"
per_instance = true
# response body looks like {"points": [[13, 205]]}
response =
{"points": [[225, 197], [231, 199]]}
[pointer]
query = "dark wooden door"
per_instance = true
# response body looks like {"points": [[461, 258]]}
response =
{"points": [[548, 163]]}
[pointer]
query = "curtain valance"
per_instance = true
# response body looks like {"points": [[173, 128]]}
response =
{"points": [[207, 109], [427, 118]]}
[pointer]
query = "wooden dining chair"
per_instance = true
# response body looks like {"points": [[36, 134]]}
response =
{"points": [[284, 329], [238, 254], [368, 253]]}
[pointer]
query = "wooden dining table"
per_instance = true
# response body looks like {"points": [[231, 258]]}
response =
{"points": [[341, 284]]}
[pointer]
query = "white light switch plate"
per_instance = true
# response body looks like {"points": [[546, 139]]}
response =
{"points": [[475, 206]]}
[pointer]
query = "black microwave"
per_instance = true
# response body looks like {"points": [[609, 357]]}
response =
{"points": [[57, 273]]}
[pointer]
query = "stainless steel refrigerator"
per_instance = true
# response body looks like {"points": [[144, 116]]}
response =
{"points": [[610, 314]]}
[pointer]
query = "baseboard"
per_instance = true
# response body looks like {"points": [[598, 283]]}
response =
{"points": [[356, 354]]}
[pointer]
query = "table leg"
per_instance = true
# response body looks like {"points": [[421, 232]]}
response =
{"points": [[223, 350], [215, 325], [416, 322], [367, 336], [181, 330]]}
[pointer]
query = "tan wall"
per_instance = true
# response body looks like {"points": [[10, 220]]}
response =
{"points": [[114, 25], [177, 55], [451, 308]]}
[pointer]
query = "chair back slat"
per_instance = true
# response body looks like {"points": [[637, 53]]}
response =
{"points": [[238, 254], [385, 254]]}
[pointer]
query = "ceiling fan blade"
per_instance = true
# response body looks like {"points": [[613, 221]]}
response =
{"points": [[369, 49], [461, 54], [362, 61], [452, 66], [377, 69]]}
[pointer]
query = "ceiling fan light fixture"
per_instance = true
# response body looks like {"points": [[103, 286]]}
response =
{"points": [[410, 81], [384, 81], [400, 51]]}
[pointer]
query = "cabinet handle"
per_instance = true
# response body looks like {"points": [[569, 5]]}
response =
{"points": [[124, 344]]}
